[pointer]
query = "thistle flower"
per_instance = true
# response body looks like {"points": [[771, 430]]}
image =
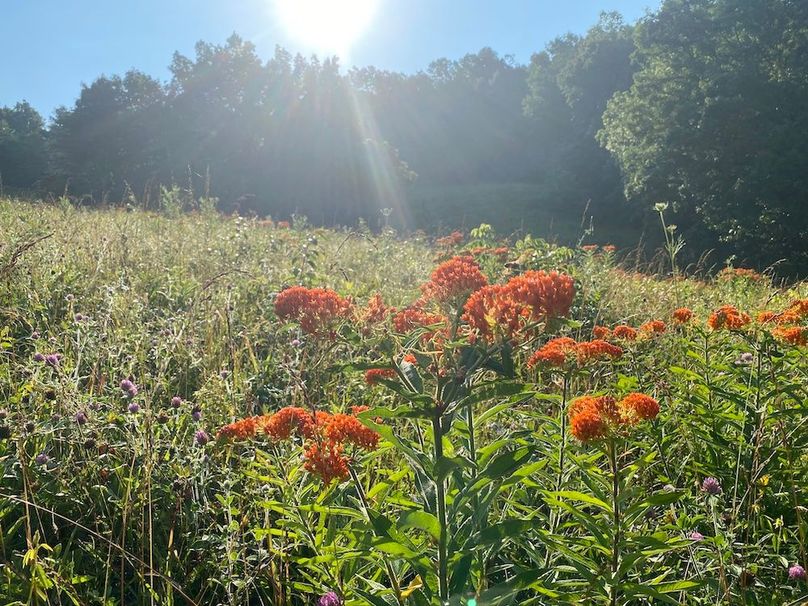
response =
{"points": [[329, 599], [42, 459], [201, 437], [39, 357], [745, 359], [129, 388], [133, 407], [295, 343], [53, 360], [797, 573], [711, 486], [81, 418], [176, 402], [196, 413]]}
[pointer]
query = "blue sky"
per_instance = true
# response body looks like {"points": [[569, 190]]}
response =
{"points": [[49, 47]]}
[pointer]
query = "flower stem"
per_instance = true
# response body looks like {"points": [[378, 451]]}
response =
{"points": [[443, 580], [614, 586]]}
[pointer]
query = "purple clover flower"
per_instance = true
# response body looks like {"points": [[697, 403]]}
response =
{"points": [[176, 402], [695, 535], [133, 407], [53, 359], [711, 486], [39, 357], [196, 413], [42, 459], [201, 437], [296, 343], [329, 599], [129, 388], [81, 417], [797, 573]]}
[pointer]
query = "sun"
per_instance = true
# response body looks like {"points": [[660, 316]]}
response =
{"points": [[326, 26]]}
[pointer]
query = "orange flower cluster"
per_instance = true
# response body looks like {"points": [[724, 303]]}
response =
{"points": [[653, 327], [601, 332], [591, 248], [316, 309], [683, 315], [416, 317], [374, 375], [796, 335], [732, 273], [454, 280], [555, 352], [625, 333], [375, 311], [597, 417], [453, 239], [728, 317], [500, 251], [326, 436], [532, 296]]}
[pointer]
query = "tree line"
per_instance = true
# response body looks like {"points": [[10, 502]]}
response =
{"points": [[700, 104]]}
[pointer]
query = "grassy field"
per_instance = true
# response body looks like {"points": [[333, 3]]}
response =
{"points": [[474, 470]]}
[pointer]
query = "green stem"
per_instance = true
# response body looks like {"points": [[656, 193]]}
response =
{"points": [[614, 586], [443, 580], [391, 573], [555, 516]]}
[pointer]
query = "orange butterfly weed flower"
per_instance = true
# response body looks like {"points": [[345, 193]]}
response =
{"points": [[592, 417], [597, 350], [374, 375], [410, 359], [799, 307], [683, 315], [601, 332], [796, 335], [553, 353], [728, 316], [243, 429], [653, 327], [453, 239], [317, 310], [325, 459], [548, 295], [609, 248], [625, 333], [454, 280], [491, 311], [636, 407], [589, 248], [742, 273], [375, 311], [349, 429]]}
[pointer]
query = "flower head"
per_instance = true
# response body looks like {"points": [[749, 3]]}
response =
{"points": [[728, 317], [129, 388], [133, 407], [683, 315], [653, 327], [39, 357], [176, 402], [695, 535], [42, 459], [796, 335], [329, 599], [637, 407], [201, 437], [625, 333], [711, 486], [317, 310], [797, 573], [601, 332], [454, 280], [53, 360], [81, 417], [374, 375]]}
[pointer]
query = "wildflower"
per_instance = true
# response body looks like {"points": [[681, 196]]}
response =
{"points": [[491, 310], [745, 359], [653, 327], [765, 317], [410, 359], [81, 418], [201, 437], [289, 420], [133, 407], [196, 413], [240, 430], [553, 353], [374, 375], [797, 573], [592, 418], [609, 248], [324, 458], [415, 317], [129, 388], [349, 429], [741, 273], [329, 599], [638, 407], [162, 417], [597, 349], [728, 317], [283, 225], [375, 311], [548, 295], [53, 360], [796, 335], [711, 486], [223, 374], [453, 239], [42, 459], [69, 298], [454, 280], [317, 310], [600, 332], [695, 535], [176, 402], [80, 318], [295, 343], [799, 307], [626, 333], [39, 357], [589, 248], [683, 315]]}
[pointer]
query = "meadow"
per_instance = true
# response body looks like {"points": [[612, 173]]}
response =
{"points": [[207, 409]]}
